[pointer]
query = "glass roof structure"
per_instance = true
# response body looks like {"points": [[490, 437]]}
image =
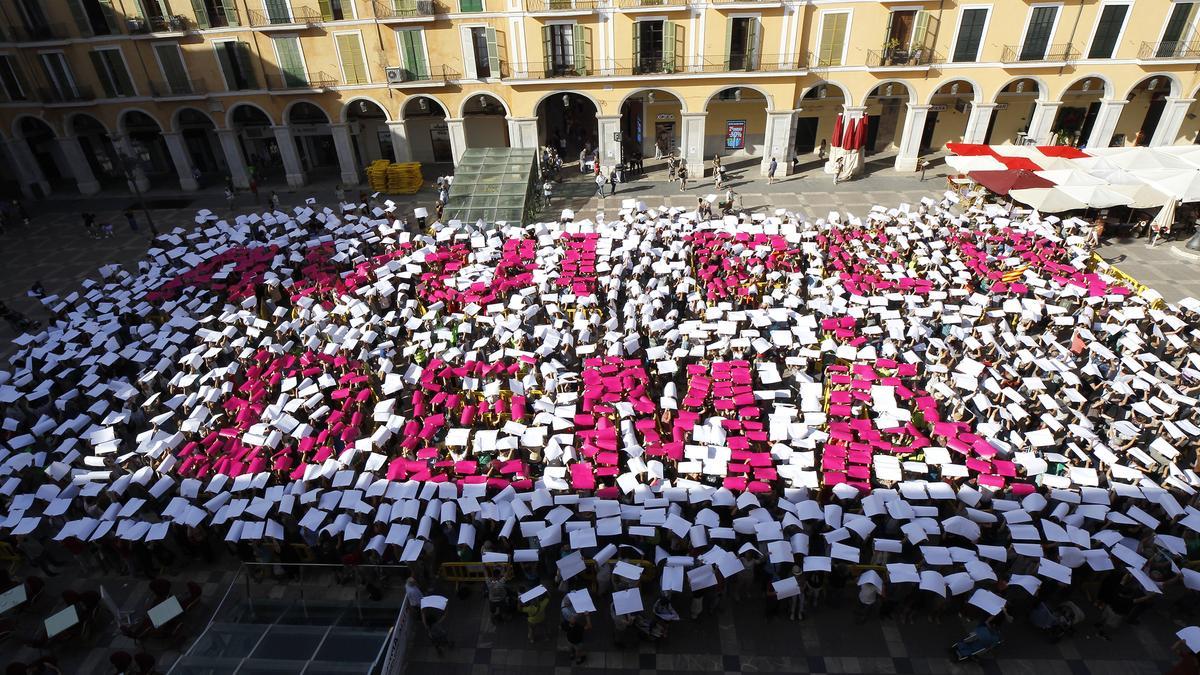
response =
{"points": [[493, 184]]}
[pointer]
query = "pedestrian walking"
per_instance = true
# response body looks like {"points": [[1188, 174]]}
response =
{"points": [[89, 223], [131, 219], [612, 181], [683, 176], [339, 192], [577, 628], [547, 189], [229, 198], [535, 616], [274, 200], [823, 151], [254, 188], [600, 181], [771, 171]]}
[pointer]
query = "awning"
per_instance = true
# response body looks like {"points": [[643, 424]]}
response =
{"points": [[969, 149], [1002, 182], [1064, 151]]}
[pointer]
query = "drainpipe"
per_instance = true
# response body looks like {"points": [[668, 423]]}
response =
{"points": [[1071, 40]]}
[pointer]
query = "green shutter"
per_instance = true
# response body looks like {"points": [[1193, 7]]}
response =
{"points": [[116, 65], [833, 39], [920, 27], [245, 65], [80, 17], [228, 64], [493, 47], [351, 54], [173, 68], [110, 16], [290, 63], [231, 15], [581, 43], [752, 34], [970, 35], [1108, 29], [201, 13], [106, 83], [404, 7], [1037, 36], [548, 49], [637, 46], [728, 42], [669, 31], [326, 10], [414, 56], [470, 5]]}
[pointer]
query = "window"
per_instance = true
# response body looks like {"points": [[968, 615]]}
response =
{"points": [[470, 5], [741, 43], [833, 38], [58, 74], [10, 78], [291, 61], [970, 34], [655, 46], [336, 10], [350, 55], [236, 64], [153, 10], [34, 18], [94, 17], [567, 49], [1037, 34], [1108, 31], [112, 73], [481, 52], [412, 54], [215, 13], [1178, 31], [170, 61]]}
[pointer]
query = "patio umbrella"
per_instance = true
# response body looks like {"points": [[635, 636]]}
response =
{"points": [[1047, 200], [1147, 158], [1144, 196], [1065, 151], [1002, 182], [969, 149], [1183, 184], [1097, 196], [860, 135], [836, 141], [1115, 176], [1070, 177], [1019, 163], [969, 163], [1165, 215]]}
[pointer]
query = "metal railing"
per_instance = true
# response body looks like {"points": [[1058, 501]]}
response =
{"points": [[560, 5], [751, 63], [408, 10], [316, 80], [1018, 54], [1174, 49], [50, 31], [716, 63], [638, 4], [161, 88], [440, 74], [159, 24], [894, 57], [299, 16], [80, 94], [541, 70]]}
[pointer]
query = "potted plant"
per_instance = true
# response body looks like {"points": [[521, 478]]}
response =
{"points": [[889, 49]]}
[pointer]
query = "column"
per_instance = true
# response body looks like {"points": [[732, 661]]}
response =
{"points": [[125, 149], [691, 143], [183, 161], [400, 141], [1174, 113], [73, 153], [522, 132], [978, 121], [850, 113], [1042, 120], [608, 127], [233, 157], [910, 139], [27, 167], [458, 138], [1106, 122], [779, 141], [292, 166], [344, 146]]}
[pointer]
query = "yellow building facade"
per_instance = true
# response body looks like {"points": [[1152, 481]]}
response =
{"points": [[189, 91]]}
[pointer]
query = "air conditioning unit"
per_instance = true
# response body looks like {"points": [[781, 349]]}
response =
{"points": [[394, 75]]}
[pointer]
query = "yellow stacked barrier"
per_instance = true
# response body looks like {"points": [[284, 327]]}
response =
{"points": [[377, 175], [404, 178]]}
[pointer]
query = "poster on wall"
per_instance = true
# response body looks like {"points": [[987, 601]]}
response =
{"points": [[735, 134]]}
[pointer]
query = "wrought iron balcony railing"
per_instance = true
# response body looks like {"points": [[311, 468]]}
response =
{"points": [[1174, 49], [408, 9], [1032, 54]]}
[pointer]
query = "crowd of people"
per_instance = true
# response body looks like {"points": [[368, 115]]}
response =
{"points": [[933, 408]]}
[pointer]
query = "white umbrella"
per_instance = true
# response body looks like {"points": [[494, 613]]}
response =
{"points": [[1047, 200], [1147, 158], [1097, 196], [1165, 216], [1069, 177], [1091, 163], [1181, 184], [1018, 151], [971, 163], [1115, 176], [1144, 196]]}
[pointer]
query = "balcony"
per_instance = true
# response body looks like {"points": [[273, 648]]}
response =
{"points": [[651, 5], [561, 6], [178, 89], [744, 63], [300, 16], [1170, 50], [399, 10], [745, 4], [437, 76], [718, 64], [291, 83], [44, 33], [895, 58], [160, 24], [1053, 54], [54, 96], [539, 70]]}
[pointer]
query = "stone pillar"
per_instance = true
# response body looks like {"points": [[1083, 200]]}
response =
{"points": [[233, 157], [1042, 120], [400, 141], [522, 132], [27, 167], [125, 149], [609, 129], [183, 161], [691, 143], [345, 152], [850, 113], [1106, 122], [978, 121], [73, 153], [458, 138], [779, 141], [910, 138], [1173, 115], [291, 157]]}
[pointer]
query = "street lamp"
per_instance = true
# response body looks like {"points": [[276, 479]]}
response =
{"points": [[128, 165]]}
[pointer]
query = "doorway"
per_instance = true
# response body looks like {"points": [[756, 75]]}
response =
{"points": [[439, 139]]}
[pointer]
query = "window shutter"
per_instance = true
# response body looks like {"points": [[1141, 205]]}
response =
{"points": [[728, 42], [753, 35], [201, 13], [106, 82], [110, 16], [637, 46], [493, 47], [116, 65], [14, 83], [80, 17], [351, 55], [548, 49], [468, 52], [231, 15], [470, 5], [229, 66], [290, 63], [920, 27], [414, 55], [173, 68], [1037, 37], [970, 35], [833, 39], [583, 49], [1108, 29], [244, 67], [670, 30], [326, 8]]}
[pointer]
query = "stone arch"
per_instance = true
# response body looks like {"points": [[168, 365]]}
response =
{"points": [[1176, 87], [1042, 89], [679, 97], [345, 111], [1107, 89], [428, 97], [20, 119], [70, 120], [175, 123], [760, 92], [462, 106], [121, 120], [807, 91], [287, 111], [976, 91], [229, 115], [909, 92], [559, 92]]}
